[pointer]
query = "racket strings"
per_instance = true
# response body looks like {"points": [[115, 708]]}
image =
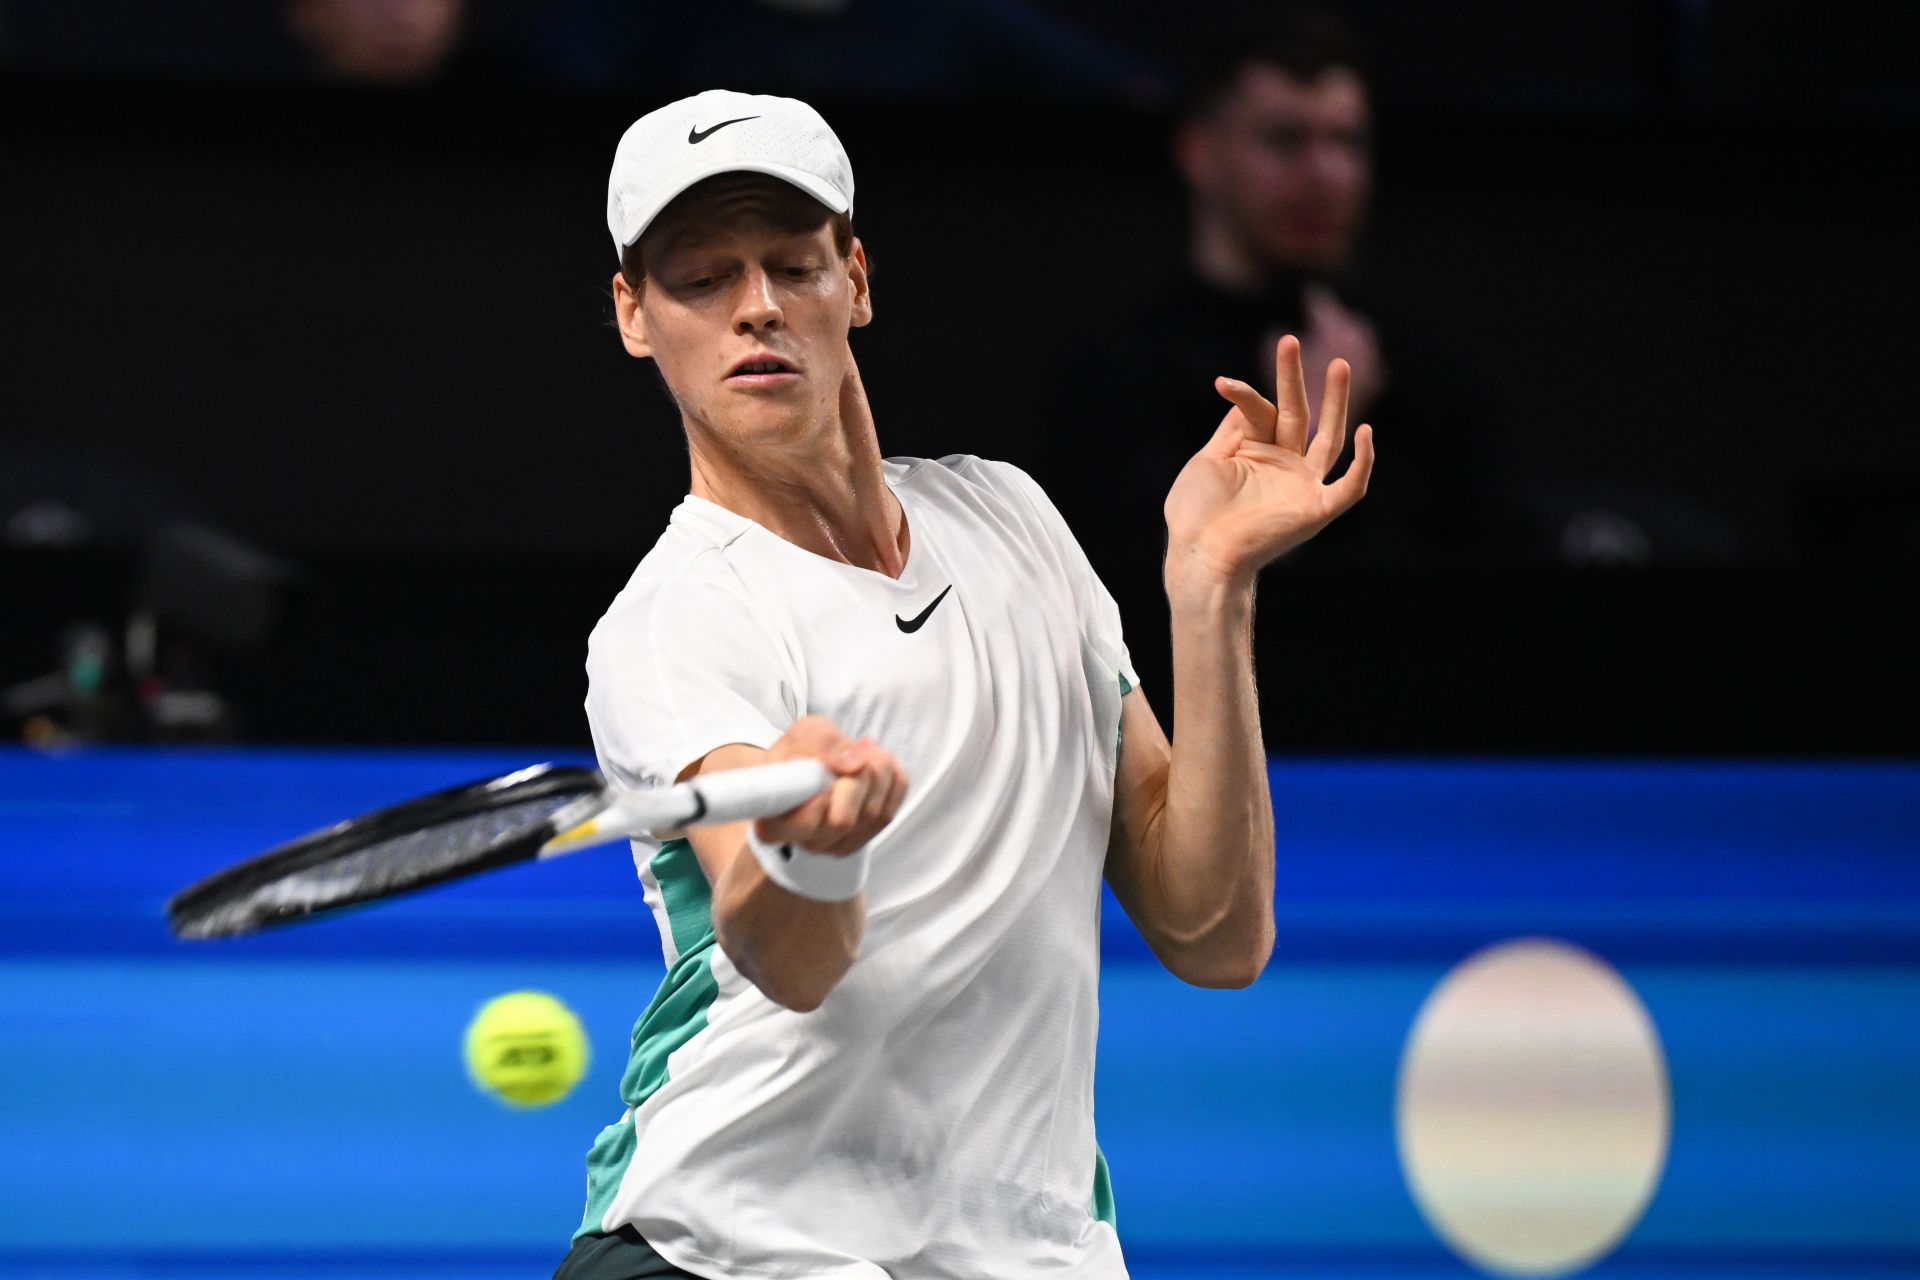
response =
{"points": [[390, 864]]}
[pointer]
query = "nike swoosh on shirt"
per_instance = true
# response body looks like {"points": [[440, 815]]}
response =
{"points": [[913, 626], [701, 135]]}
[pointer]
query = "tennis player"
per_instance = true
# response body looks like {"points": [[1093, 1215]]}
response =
{"points": [[872, 1055]]}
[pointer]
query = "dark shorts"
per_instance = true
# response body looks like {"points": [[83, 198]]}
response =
{"points": [[621, 1255]]}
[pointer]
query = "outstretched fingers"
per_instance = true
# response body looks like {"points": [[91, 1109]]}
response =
{"points": [[1351, 487], [1331, 435], [1290, 393], [1258, 411]]}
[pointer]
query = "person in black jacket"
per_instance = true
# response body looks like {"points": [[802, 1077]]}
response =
{"points": [[1274, 148]]}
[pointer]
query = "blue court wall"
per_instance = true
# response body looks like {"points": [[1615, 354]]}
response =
{"points": [[183, 1108]]}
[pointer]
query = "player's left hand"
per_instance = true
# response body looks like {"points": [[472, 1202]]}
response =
{"points": [[1259, 488]]}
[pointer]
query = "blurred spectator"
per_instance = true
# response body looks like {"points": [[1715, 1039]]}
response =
{"points": [[379, 43], [1274, 147], [392, 42]]}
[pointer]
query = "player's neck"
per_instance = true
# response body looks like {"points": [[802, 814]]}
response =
{"points": [[830, 498]]}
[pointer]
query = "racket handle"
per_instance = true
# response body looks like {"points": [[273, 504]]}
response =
{"points": [[731, 795], [757, 792]]}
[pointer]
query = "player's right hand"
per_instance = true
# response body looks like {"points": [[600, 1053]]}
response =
{"points": [[866, 793]]}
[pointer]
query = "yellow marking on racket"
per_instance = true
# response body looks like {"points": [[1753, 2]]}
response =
{"points": [[573, 836]]}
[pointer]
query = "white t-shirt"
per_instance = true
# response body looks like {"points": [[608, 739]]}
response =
{"points": [[934, 1117]]}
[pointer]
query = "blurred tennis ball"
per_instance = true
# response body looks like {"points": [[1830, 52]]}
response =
{"points": [[527, 1048]]}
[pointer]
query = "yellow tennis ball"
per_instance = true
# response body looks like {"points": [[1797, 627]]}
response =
{"points": [[527, 1048]]}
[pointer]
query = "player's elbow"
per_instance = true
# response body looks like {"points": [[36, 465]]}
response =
{"points": [[798, 987], [796, 969], [801, 997], [1228, 974], [1226, 964]]}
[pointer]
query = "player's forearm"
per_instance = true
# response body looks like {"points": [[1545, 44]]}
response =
{"points": [[794, 949], [796, 944], [1214, 836]]}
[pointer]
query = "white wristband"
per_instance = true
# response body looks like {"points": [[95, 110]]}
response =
{"points": [[825, 877]]}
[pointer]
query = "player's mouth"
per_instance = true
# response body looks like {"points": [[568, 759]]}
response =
{"points": [[763, 371]]}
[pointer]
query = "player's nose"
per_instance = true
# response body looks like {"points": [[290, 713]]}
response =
{"points": [[755, 306]]}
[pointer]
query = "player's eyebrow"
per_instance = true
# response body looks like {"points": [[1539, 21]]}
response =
{"points": [[694, 236], [706, 235]]}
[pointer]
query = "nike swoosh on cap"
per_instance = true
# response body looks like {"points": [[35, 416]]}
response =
{"points": [[914, 625], [701, 135]]}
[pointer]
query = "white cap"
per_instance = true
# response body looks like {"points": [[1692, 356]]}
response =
{"points": [[668, 150]]}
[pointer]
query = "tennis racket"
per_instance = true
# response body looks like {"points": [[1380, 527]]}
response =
{"points": [[540, 812]]}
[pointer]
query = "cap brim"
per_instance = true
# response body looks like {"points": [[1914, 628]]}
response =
{"points": [[820, 189]]}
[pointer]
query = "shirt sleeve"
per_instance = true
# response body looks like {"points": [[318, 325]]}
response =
{"points": [[678, 671], [1098, 612]]}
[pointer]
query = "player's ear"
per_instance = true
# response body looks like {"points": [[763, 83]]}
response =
{"points": [[632, 321], [862, 294]]}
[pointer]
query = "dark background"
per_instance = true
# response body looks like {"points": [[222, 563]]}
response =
{"points": [[365, 330]]}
